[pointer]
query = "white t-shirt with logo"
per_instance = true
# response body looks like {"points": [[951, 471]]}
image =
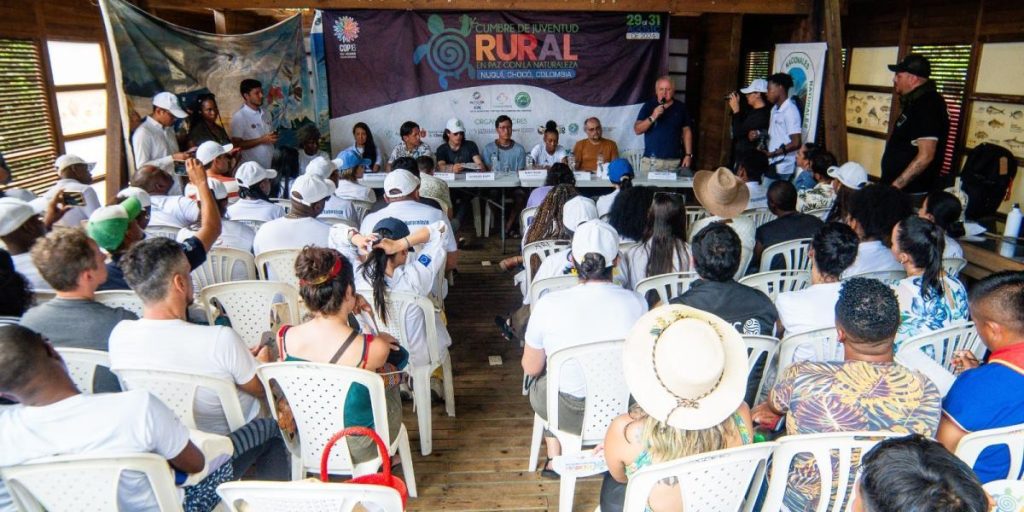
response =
{"points": [[338, 208], [581, 314], [176, 345], [255, 209], [290, 233], [812, 308], [175, 211], [24, 265], [106, 423], [248, 124], [414, 215], [542, 158]]}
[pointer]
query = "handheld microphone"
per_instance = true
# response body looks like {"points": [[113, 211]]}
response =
{"points": [[663, 101]]}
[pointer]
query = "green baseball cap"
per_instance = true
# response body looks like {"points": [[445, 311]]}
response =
{"points": [[107, 225]]}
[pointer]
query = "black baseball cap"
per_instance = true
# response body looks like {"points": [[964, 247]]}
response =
{"points": [[914, 64]]}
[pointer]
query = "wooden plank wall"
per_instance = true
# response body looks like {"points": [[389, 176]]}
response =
{"points": [[719, 65]]}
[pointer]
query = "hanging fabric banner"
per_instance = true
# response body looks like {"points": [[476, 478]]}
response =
{"points": [[805, 62], [387, 67], [151, 55]]}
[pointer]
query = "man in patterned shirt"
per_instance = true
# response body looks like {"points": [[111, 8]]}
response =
{"points": [[867, 391]]}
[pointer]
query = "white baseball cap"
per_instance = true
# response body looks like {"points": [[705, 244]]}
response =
{"points": [[454, 125], [321, 167], [137, 193], [850, 174], [759, 85], [210, 150], [64, 161], [251, 173], [168, 101], [595, 236], [216, 186], [309, 189], [578, 210], [399, 183], [13, 214]]}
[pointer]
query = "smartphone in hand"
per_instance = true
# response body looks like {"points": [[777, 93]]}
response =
{"points": [[73, 199]]}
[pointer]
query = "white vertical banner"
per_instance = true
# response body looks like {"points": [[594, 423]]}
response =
{"points": [[805, 62]]}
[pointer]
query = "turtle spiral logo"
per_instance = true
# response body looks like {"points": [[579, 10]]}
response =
{"points": [[446, 52]]}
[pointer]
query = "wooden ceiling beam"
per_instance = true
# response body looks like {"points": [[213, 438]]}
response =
{"points": [[677, 7]]}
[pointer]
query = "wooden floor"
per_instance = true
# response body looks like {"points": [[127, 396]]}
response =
{"points": [[480, 455]]}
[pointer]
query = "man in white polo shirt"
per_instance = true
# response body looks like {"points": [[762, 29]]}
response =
{"points": [[154, 142], [401, 191], [784, 132], [250, 126], [167, 209], [216, 159], [76, 183], [254, 202], [299, 227]]}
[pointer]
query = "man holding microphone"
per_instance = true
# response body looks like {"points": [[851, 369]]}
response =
{"points": [[665, 125]]}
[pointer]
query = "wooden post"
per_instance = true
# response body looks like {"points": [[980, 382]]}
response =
{"points": [[720, 59], [835, 88]]}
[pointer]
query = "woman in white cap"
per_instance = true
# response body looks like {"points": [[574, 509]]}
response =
{"points": [[594, 310], [351, 166], [254, 202], [846, 179], [456, 150], [687, 371]]}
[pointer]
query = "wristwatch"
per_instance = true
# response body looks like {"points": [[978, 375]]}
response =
{"points": [[688, 155], [651, 119]]}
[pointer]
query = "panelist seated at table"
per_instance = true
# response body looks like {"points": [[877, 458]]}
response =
{"points": [[594, 148], [507, 153], [457, 152], [549, 152]]}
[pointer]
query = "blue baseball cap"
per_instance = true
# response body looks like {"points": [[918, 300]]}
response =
{"points": [[392, 228], [349, 159], [618, 168]]}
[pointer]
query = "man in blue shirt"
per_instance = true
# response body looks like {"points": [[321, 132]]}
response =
{"points": [[665, 125], [990, 395]]}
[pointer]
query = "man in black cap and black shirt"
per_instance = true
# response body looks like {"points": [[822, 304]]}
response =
{"points": [[913, 154]]}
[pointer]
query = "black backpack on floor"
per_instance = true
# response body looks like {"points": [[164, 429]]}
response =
{"points": [[987, 175]]}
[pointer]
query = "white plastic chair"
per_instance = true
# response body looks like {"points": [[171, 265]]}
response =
{"points": [[796, 254], [73, 483], [252, 223], [258, 496], [283, 203], [693, 214], [821, 213], [397, 304], [316, 393], [774, 282], [953, 266], [758, 347], [607, 397], [667, 286], [760, 216], [540, 250], [362, 207], [1008, 495], [846, 447], [220, 265], [820, 345], [551, 284], [889, 277], [932, 353], [745, 256], [720, 481], [526, 218], [334, 221], [278, 265], [81, 364], [163, 231], [177, 390], [1012, 437], [126, 299], [249, 305]]}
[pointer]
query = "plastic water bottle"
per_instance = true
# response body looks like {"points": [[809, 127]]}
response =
{"points": [[1012, 228], [529, 161], [494, 163], [600, 164], [571, 160]]}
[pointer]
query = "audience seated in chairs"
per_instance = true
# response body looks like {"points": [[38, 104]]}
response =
{"points": [[558, 174], [20, 227], [725, 198], [833, 248], [697, 355], [159, 273], [663, 248], [57, 419], [173, 210], [548, 223], [390, 266], [351, 166], [300, 227], [751, 167], [594, 310], [716, 254], [434, 189], [629, 212], [916, 473], [847, 179], [945, 210], [620, 174], [15, 291], [929, 299], [74, 266], [147, 204], [822, 193], [332, 335], [336, 207], [865, 392], [990, 395], [789, 224], [873, 212], [233, 234], [254, 202]]}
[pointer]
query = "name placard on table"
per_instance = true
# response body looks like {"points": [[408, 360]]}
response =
{"points": [[662, 175], [479, 176], [446, 176], [583, 175], [533, 174], [377, 176]]}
